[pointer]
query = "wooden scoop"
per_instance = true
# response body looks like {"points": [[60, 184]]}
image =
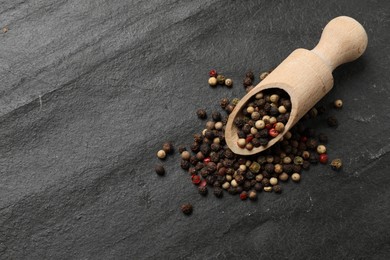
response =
{"points": [[306, 75]]}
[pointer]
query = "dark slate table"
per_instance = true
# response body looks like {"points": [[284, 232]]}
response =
{"points": [[91, 89]]}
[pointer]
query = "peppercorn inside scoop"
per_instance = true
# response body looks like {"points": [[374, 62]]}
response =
{"points": [[263, 118]]}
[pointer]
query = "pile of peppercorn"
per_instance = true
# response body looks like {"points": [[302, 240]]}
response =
{"points": [[263, 118], [211, 164]]}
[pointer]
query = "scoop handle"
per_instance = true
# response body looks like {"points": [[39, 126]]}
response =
{"points": [[343, 40]]}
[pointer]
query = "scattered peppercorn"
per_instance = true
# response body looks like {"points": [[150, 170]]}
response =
{"points": [[221, 79], [336, 164], [277, 188], [323, 158], [296, 177], [247, 82], [161, 154], [186, 208], [243, 195], [332, 121], [252, 195], [229, 83], [160, 169], [213, 73], [213, 81], [338, 103], [218, 192], [263, 75], [203, 190], [224, 102], [201, 113], [168, 147]]}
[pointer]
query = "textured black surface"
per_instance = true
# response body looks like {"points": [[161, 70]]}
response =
{"points": [[89, 90]]}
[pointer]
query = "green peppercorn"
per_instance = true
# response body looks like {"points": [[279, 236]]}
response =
{"points": [[298, 160], [221, 79], [235, 101], [186, 208], [336, 164], [160, 169], [254, 167]]}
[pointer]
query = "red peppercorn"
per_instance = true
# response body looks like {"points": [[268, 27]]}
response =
{"points": [[203, 183], [206, 160], [213, 73], [303, 139], [323, 158], [195, 179], [243, 195], [272, 132], [249, 139]]}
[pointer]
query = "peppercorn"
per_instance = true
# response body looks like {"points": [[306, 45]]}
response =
{"points": [[273, 181], [161, 154], [184, 164], [186, 208], [247, 82], [313, 159], [338, 103], [258, 187], [306, 165], [243, 195], [311, 143], [203, 190], [323, 158], [296, 177], [194, 147], [232, 191], [321, 149], [193, 160], [185, 155], [167, 147], [313, 112], [265, 182], [213, 73], [160, 169], [224, 102], [283, 177], [218, 192], [277, 188], [269, 167], [182, 148], [229, 108], [228, 83], [298, 160], [216, 116], [221, 79], [332, 121], [336, 164], [268, 189], [213, 81]]}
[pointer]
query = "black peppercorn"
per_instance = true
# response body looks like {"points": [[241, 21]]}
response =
{"points": [[160, 169], [198, 138], [201, 113], [321, 109], [229, 108], [216, 116], [306, 165], [263, 141], [224, 102], [186, 208], [247, 185], [249, 175], [194, 160], [182, 148], [311, 143], [247, 82], [288, 168], [273, 111], [203, 190], [258, 187], [168, 147], [184, 164], [205, 149], [277, 188], [332, 121], [269, 167], [250, 75], [297, 168], [218, 192], [239, 189], [265, 182], [241, 134], [194, 147], [232, 190], [239, 122], [229, 154]]}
